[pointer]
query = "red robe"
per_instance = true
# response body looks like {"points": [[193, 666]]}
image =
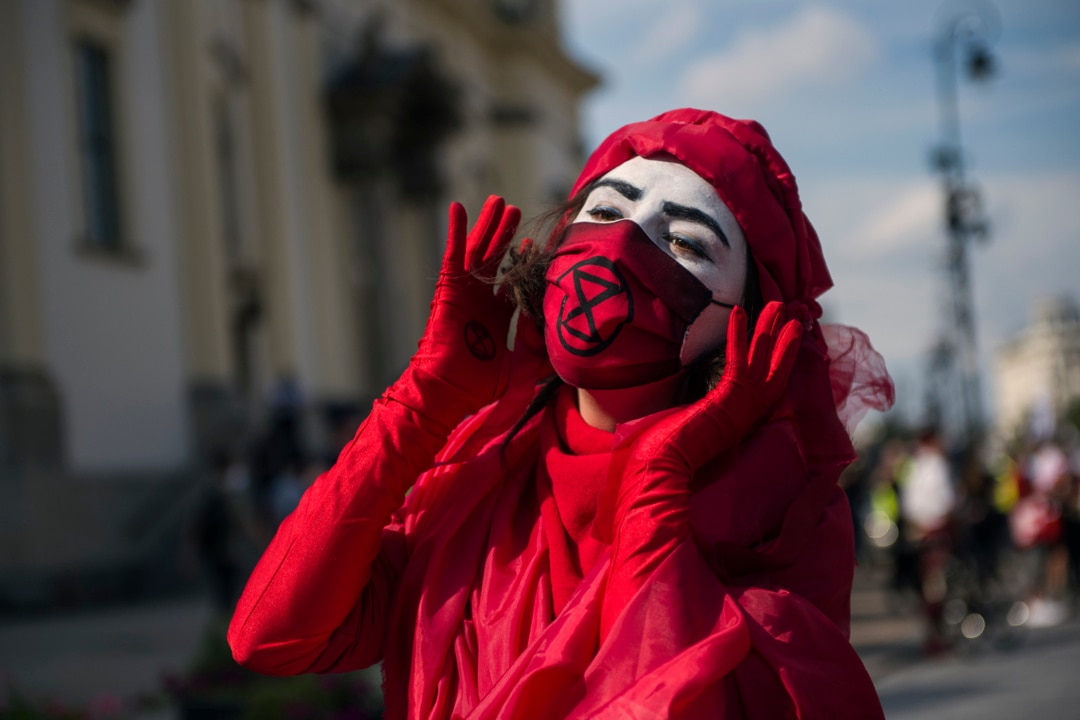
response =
{"points": [[494, 593]]}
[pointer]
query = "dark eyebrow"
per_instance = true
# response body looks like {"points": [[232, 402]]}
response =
{"points": [[694, 215], [622, 187]]}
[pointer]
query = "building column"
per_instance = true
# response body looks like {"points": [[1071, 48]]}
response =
{"points": [[30, 412], [335, 320], [284, 265], [211, 397]]}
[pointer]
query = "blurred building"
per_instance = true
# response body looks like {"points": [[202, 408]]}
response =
{"points": [[1038, 372], [200, 199]]}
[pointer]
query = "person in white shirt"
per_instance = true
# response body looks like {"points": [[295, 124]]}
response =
{"points": [[927, 501]]}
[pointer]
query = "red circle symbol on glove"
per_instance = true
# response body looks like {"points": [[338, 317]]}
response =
{"points": [[596, 306]]}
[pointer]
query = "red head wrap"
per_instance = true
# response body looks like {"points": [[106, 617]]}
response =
{"points": [[738, 159]]}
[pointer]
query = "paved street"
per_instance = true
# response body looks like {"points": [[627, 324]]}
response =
{"points": [[888, 635], [1038, 679], [1034, 676], [96, 657]]}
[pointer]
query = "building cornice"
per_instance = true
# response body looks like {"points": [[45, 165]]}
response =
{"points": [[536, 40]]}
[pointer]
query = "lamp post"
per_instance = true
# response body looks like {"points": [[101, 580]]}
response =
{"points": [[962, 47]]}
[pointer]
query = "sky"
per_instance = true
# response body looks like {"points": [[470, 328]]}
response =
{"points": [[847, 91]]}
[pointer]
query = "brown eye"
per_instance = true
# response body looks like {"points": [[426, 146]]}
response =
{"points": [[604, 213], [686, 245]]}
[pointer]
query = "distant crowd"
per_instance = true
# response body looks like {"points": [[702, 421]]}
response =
{"points": [[983, 547]]}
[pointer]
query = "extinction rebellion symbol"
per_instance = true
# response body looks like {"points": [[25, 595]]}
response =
{"points": [[479, 341], [597, 305]]}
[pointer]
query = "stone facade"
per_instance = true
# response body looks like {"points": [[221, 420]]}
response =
{"points": [[1037, 376], [202, 198]]}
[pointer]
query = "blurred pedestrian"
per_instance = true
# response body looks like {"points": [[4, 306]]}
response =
{"points": [[216, 527], [286, 420], [1036, 526], [928, 500], [885, 524], [1070, 517], [982, 530]]}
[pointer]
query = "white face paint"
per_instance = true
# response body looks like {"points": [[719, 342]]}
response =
{"points": [[680, 211]]}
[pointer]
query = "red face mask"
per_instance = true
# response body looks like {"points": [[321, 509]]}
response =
{"points": [[617, 307]]}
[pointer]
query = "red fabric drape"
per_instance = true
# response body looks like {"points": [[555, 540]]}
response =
{"points": [[745, 618], [496, 590], [755, 632]]}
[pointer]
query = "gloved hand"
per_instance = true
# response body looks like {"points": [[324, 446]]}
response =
{"points": [[753, 381], [299, 612], [651, 507], [462, 362]]}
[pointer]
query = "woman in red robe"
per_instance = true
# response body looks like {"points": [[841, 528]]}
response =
{"points": [[630, 507]]}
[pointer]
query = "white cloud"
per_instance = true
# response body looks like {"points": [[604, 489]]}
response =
{"points": [[838, 105], [874, 219], [819, 46], [1033, 250], [883, 241], [899, 222]]}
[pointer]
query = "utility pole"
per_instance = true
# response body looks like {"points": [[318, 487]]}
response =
{"points": [[962, 47]]}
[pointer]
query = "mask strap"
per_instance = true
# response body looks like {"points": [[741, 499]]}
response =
{"points": [[729, 306]]}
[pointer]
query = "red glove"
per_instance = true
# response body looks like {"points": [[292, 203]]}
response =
{"points": [[462, 362], [320, 596], [652, 506], [752, 383]]}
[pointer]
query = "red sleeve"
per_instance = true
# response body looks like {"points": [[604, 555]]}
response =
{"points": [[758, 514], [763, 517], [651, 519], [320, 596], [738, 501]]}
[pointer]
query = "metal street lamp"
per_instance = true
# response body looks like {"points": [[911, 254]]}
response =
{"points": [[962, 47]]}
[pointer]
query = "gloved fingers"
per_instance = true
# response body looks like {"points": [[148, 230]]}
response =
{"points": [[753, 380], [785, 353], [483, 231], [703, 418], [772, 316], [501, 238], [454, 257], [701, 431], [760, 357], [736, 351], [770, 320]]}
